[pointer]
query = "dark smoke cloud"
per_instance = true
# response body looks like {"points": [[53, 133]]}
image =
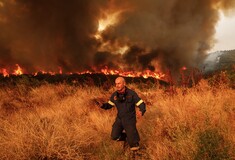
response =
{"points": [[106, 59], [178, 33], [132, 56], [47, 34]]}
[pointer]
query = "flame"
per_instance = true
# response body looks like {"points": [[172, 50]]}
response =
{"points": [[4, 72], [144, 74], [105, 70], [109, 20], [122, 50], [60, 70], [45, 72], [18, 71]]}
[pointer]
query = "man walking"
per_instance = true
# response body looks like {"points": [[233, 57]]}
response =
{"points": [[125, 101]]}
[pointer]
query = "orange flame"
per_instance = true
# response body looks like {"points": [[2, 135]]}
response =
{"points": [[18, 71], [109, 19], [144, 74], [60, 70], [105, 70], [4, 72]]}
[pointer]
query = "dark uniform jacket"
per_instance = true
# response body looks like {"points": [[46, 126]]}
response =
{"points": [[126, 103]]}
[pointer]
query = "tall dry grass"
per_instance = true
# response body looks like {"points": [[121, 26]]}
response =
{"points": [[65, 122]]}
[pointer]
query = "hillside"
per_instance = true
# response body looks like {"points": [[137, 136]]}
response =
{"points": [[220, 60]]}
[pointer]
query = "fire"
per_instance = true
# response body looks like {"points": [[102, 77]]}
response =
{"points": [[4, 72], [105, 70], [60, 70], [18, 71], [109, 20], [122, 50], [44, 72], [144, 74]]}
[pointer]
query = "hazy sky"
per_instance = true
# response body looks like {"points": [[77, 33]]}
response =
{"points": [[225, 33]]}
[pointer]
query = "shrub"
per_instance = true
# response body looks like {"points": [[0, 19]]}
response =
{"points": [[212, 146]]}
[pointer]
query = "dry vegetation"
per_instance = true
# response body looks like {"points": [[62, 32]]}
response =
{"points": [[65, 122]]}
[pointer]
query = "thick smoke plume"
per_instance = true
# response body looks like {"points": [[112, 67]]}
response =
{"points": [[160, 35]]}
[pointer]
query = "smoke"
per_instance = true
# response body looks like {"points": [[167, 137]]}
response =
{"points": [[177, 33], [47, 34]]}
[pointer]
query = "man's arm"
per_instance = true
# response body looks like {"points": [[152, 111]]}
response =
{"points": [[140, 103], [108, 105]]}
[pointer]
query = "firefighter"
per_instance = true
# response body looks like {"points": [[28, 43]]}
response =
{"points": [[125, 101]]}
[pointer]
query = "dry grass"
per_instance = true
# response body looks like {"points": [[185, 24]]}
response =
{"points": [[65, 122]]}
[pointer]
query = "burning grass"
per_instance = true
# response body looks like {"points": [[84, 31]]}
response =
{"points": [[65, 122]]}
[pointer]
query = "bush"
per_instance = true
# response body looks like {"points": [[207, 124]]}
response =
{"points": [[212, 146]]}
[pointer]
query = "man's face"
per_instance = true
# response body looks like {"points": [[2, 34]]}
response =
{"points": [[120, 84]]}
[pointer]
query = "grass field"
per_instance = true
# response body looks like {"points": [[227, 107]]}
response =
{"points": [[60, 121]]}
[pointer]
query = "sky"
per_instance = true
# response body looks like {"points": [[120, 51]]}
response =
{"points": [[225, 33]]}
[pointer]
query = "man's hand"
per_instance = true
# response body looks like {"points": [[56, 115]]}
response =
{"points": [[106, 106], [138, 113]]}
